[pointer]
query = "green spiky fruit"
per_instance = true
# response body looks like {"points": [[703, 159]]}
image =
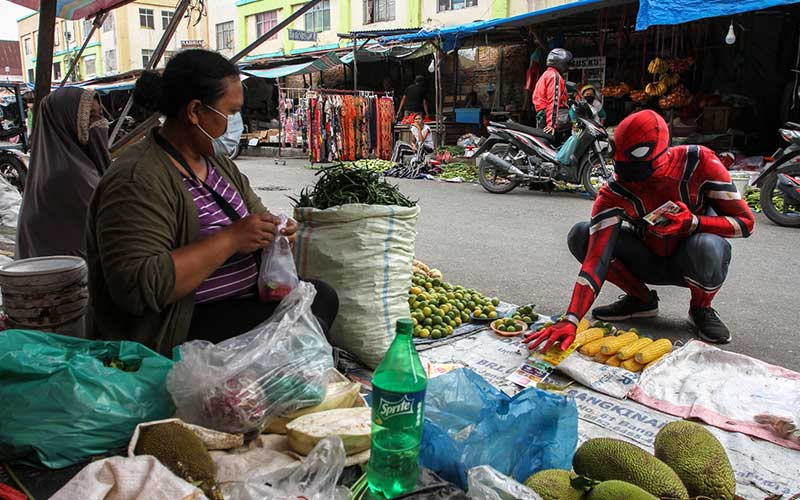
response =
{"points": [[554, 484], [698, 458], [618, 490]]}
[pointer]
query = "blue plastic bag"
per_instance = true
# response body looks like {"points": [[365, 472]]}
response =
{"points": [[469, 423], [566, 150], [63, 404]]}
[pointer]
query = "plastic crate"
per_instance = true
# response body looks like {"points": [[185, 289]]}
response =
{"points": [[468, 115]]}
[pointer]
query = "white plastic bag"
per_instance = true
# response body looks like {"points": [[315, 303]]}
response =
{"points": [[314, 479], [278, 274], [279, 366], [485, 483]]}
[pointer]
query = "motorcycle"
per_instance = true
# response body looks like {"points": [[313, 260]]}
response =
{"points": [[518, 155], [779, 181]]}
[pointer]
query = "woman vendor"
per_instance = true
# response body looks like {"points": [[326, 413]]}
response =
{"points": [[175, 233]]}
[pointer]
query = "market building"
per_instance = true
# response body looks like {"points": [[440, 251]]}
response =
{"points": [[125, 41]]}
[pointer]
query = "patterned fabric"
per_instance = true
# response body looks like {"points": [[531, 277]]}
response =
{"points": [[238, 276]]}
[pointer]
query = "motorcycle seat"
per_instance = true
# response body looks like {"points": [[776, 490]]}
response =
{"points": [[536, 132]]}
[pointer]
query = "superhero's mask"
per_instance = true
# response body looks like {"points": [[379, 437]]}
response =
{"points": [[640, 139]]}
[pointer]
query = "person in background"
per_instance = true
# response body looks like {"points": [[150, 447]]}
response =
{"points": [[414, 100], [550, 93], [421, 135], [69, 153], [589, 94], [472, 101], [175, 232]]}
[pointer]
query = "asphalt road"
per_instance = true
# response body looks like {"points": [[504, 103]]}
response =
{"points": [[513, 246]]}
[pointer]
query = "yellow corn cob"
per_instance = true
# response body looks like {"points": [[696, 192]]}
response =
{"points": [[611, 345], [601, 358], [632, 366], [613, 361], [653, 351], [589, 335], [583, 325], [591, 348], [629, 350]]}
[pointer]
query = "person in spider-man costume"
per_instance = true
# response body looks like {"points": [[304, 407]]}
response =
{"points": [[689, 250]]}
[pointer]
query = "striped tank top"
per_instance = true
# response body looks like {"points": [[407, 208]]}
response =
{"points": [[239, 275]]}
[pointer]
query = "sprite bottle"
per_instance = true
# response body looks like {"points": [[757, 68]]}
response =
{"points": [[398, 400]]}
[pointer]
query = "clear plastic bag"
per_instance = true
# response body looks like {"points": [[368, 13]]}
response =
{"points": [[278, 367], [278, 274], [314, 479], [485, 483]]}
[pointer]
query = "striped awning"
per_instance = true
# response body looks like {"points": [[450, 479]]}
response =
{"points": [[76, 9], [327, 61]]}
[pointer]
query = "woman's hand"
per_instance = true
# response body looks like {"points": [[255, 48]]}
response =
{"points": [[253, 232], [290, 231]]}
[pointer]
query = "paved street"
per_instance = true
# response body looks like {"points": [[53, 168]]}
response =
{"points": [[513, 246]]}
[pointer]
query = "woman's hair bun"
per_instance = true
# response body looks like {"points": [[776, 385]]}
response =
{"points": [[149, 91]]}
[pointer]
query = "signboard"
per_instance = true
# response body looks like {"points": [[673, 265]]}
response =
{"points": [[302, 36], [192, 44], [590, 70]]}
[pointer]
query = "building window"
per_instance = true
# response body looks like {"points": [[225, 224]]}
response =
{"points": [[87, 27], [147, 19], [265, 21], [90, 65], [168, 54], [110, 61], [57, 70], [166, 17], [147, 54], [376, 11], [27, 44], [57, 37], [108, 24], [225, 35], [31, 78], [456, 4], [319, 17]]}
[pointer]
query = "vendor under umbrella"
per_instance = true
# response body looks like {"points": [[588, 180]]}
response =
{"points": [[175, 233], [688, 248]]}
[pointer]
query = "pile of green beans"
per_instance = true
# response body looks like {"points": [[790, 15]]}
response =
{"points": [[340, 185]]}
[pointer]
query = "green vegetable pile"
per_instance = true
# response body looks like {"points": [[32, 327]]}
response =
{"points": [[120, 365], [378, 166], [467, 171], [454, 150], [340, 185], [753, 198]]}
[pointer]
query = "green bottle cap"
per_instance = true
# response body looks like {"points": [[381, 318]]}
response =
{"points": [[405, 326]]}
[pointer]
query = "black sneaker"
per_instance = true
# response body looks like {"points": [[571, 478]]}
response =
{"points": [[709, 326], [628, 307]]}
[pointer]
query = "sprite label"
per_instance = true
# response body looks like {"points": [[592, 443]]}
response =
{"points": [[397, 411]]}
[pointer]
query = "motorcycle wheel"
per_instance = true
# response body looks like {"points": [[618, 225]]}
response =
{"points": [[13, 170], [490, 179], [597, 168], [770, 196]]}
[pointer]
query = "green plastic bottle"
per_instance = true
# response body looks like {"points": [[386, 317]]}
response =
{"points": [[398, 401]]}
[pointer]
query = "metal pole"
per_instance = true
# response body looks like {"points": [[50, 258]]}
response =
{"points": [[266, 36], [180, 10], [355, 64], [98, 21], [44, 52]]}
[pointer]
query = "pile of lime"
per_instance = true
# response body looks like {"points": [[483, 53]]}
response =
{"points": [[508, 325], [526, 314], [438, 308]]}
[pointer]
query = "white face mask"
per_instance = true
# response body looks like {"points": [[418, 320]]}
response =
{"points": [[220, 113]]}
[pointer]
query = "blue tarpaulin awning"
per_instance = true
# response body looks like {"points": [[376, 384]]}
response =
{"points": [[452, 36], [661, 12], [325, 62]]}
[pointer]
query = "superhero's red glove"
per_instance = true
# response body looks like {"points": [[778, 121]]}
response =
{"points": [[563, 332], [680, 224]]}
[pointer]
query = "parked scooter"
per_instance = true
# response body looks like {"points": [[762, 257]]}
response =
{"points": [[780, 181], [12, 127], [518, 155]]}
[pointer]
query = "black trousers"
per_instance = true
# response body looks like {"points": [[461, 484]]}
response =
{"points": [[702, 257], [218, 321]]}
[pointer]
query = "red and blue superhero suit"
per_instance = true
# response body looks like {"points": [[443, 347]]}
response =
{"points": [[690, 251]]}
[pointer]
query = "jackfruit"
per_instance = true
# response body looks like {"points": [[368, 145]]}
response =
{"points": [[554, 484], [618, 490], [698, 458], [182, 452], [606, 459]]}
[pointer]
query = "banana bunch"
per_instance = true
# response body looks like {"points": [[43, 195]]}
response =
{"points": [[657, 66], [670, 80], [656, 89]]}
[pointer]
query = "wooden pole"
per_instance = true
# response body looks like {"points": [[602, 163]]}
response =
{"points": [[98, 21], [44, 52]]}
